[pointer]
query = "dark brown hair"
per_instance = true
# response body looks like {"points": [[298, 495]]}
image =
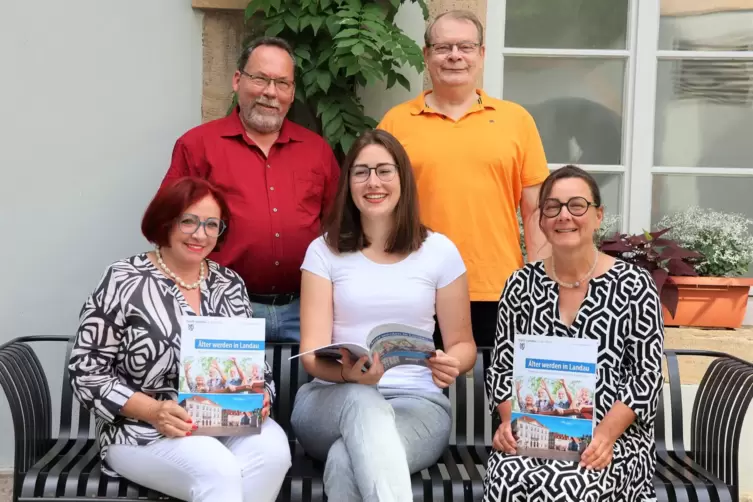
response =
{"points": [[567, 172], [342, 224], [172, 200]]}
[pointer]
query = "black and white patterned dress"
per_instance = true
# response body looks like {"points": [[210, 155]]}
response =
{"points": [[129, 341], [622, 310]]}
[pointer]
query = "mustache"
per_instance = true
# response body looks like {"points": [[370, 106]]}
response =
{"points": [[267, 102]]}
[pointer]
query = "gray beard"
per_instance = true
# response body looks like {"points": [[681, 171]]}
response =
{"points": [[264, 124]]}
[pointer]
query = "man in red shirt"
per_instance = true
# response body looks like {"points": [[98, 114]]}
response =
{"points": [[281, 177]]}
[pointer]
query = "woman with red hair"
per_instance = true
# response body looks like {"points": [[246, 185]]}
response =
{"points": [[125, 362]]}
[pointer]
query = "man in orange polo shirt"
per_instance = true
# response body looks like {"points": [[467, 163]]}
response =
{"points": [[477, 159]]}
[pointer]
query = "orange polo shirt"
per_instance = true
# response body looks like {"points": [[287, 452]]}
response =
{"points": [[470, 175]]}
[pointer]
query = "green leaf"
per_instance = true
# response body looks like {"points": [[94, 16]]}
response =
{"points": [[346, 141], [347, 33], [395, 3], [355, 4], [316, 23], [253, 7], [325, 3], [291, 21], [391, 79], [276, 4], [347, 13], [274, 29], [329, 113], [303, 53], [309, 77], [333, 25], [332, 126], [375, 27], [403, 81], [324, 79], [347, 43], [358, 49]]}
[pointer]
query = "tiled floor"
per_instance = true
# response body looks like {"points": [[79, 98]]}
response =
{"points": [[6, 488]]}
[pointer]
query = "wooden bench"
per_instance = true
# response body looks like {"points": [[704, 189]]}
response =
{"points": [[65, 466]]}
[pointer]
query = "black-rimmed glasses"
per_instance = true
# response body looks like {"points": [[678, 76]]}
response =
{"points": [[261, 81], [190, 224], [385, 172], [576, 205]]}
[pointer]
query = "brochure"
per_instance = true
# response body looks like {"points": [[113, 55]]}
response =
{"points": [[554, 390], [396, 344], [222, 374]]}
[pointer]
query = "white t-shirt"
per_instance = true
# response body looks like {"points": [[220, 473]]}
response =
{"points": [[367, 294]]}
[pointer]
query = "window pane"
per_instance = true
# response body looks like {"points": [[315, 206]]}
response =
{"points": [[704, 113], [706, 25], [675, 192], [566, 24], [577, 105], [610, 185]]}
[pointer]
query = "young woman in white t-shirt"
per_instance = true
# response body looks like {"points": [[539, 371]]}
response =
{"points": [[376, 263]]}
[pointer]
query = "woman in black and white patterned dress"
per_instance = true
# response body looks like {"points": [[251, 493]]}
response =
{"points": [[581, 293], [125, 362]]}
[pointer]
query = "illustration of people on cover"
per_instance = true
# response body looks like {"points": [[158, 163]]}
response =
{"points": [[545, 403], [217, 381]]}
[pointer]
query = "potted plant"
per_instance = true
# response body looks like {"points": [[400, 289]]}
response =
{"points": [[717, 297], [664, 258]]}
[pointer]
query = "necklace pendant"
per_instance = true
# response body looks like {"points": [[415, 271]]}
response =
{"points": [[576, 284]]}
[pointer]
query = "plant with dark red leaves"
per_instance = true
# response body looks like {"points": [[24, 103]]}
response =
{"points": [[662, 257]]}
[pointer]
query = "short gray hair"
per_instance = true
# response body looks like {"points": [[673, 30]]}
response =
{"points": [[265, 41], [457, 15]]}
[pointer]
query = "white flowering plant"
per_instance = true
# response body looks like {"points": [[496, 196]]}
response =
{"points": [[724, 239]]}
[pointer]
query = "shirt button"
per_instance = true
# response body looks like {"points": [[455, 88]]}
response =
{"points": [[277, 235], [274, 209], [268, 166], [271, 188], [277, 263]]}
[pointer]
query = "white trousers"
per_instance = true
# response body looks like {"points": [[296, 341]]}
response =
{"points": [[208, 469]]}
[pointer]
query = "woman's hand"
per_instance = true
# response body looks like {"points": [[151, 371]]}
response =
{"points": [[598, 455], [267, 405], [171, 420], [444, 369], [504, 440], [352, 372]]}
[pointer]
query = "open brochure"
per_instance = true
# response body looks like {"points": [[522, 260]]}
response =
{"points": [[554, 390], [222, 374], [396, 344]]}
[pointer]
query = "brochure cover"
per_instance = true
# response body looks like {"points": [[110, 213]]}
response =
{"points": [[396, 344], [554, 385], [222, 374]]}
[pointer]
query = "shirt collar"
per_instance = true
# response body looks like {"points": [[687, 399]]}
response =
{"points": [[231, 126], [419, 105]]}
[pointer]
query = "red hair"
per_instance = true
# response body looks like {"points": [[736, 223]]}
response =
{"points": [[171, 201]]}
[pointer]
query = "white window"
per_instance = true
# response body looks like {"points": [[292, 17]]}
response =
{"points": [[653, 97]]}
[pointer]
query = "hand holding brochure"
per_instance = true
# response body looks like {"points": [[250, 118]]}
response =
{"points": [[554, 390], [222, 374], [396, 344]]}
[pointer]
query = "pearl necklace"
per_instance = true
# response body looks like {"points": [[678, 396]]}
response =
{"points": [[576, 283], [178, 279]]}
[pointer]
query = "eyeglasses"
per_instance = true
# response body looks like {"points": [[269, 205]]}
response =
{"points": [[190, 224], [445, 48], [262, 82], [385, 172], [576, 205]]}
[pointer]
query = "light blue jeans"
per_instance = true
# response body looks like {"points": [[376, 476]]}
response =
{"points": [[370, 440], [283, 321]]}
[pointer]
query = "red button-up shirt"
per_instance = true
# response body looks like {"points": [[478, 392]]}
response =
{"points": [[277, 209]]}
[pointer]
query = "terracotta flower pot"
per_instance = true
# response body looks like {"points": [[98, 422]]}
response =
{"points": [[710, 302]]}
